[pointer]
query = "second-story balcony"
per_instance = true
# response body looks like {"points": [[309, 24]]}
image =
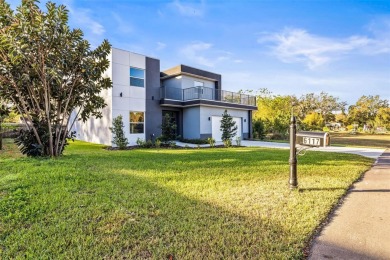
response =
{"points": [[205, 93]]}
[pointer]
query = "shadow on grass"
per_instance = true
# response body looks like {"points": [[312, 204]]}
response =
{"points": [[129, 217], [320, 189]]}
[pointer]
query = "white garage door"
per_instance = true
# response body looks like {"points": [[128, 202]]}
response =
{"points": [[216, 130]]}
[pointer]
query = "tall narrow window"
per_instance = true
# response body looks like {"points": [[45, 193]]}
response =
{"points": [[136, 122], [137, 77]]}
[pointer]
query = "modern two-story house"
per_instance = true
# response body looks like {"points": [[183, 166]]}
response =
{"points": [[142, 94]]}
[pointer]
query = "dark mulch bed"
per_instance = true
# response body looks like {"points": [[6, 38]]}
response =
{"points": [[110, 148]]}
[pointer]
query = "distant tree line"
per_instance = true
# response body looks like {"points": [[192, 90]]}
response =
{"points": [[317, 112]]}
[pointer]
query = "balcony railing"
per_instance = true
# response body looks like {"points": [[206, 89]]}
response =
{"points": [[204, 93]]}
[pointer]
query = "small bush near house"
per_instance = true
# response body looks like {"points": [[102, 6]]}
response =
{"points": [[227, 143], [168, 129], [157, 143], [119, 138], [211, 141], [228, 128], [238, 141]]}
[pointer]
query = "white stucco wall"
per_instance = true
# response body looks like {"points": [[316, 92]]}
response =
{"points": [[97, 130], [133, 99]]}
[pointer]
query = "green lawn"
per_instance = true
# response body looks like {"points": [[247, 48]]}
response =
{"points": [[360, 140], [191, 204]]}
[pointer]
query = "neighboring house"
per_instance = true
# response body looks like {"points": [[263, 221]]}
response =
{"points": [[143, 95]]}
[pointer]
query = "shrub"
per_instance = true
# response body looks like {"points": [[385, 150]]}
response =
{"points": [[238, 141], [258, 129], [227, 143], [325, 129], [211, 141], [119, 138], [157, 143], [28, 145], [168, 129], [228, 128], [140, 142]]}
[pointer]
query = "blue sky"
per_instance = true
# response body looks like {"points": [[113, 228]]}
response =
{"points": [[289, 47]]}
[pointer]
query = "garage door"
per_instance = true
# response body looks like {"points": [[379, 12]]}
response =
{"points": [[216, 124]]}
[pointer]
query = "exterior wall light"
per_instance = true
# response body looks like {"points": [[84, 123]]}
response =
{"points": [[120, 94], [209, 118]]}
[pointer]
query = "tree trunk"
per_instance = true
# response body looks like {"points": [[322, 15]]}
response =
{"points": [[1, 136]]}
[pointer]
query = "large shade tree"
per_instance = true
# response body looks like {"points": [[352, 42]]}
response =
{"points": [[4, 112], [370, 110], [48, 70]]}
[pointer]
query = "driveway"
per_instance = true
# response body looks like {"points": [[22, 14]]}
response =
{"points": [[366, 152]]}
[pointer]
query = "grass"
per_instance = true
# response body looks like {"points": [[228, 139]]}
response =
{"points": [[361, 140], [190, 204]]}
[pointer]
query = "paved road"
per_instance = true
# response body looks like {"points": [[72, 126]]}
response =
{"points": [[360, 227]]}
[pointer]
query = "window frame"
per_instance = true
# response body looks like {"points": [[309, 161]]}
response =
{"points": [[137, 78], [137, 123]]}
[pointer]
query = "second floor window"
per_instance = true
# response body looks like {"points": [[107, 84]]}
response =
{"points": [[137, 77]]}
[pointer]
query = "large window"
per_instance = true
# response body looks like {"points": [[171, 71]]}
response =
{"points": [[137, 77], [137, 122]]}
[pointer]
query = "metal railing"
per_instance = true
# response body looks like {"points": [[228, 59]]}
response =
{"points": [[205, 93]]}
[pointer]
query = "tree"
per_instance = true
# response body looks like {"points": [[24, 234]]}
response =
{"points": [[4, 112], [48, 70], [313, 121], [323, 104], [274, 111], [168, 129], [258, 129], [228, 128], [119, 138], [370, 110]]}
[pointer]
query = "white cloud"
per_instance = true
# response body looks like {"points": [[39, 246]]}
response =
{"points": [[160, 46], [122, 26], [83, 18], [189, 9], [203, 54], [297, 45]]}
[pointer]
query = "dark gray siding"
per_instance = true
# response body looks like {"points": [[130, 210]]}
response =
{"points": [[153, 114]]}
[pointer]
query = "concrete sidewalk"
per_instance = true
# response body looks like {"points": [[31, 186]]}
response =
{"points": [[360, 227]]}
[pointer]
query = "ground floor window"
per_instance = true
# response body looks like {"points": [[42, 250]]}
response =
{"points": [[137, 120]]}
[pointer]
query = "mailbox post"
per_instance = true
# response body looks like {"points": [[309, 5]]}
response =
{"points": [[293, 155], [307, 140]]}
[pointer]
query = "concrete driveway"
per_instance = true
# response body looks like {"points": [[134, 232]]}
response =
{"points": [[366, 152]]}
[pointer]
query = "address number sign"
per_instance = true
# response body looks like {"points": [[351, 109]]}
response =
{"points": [[311, 141]]}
